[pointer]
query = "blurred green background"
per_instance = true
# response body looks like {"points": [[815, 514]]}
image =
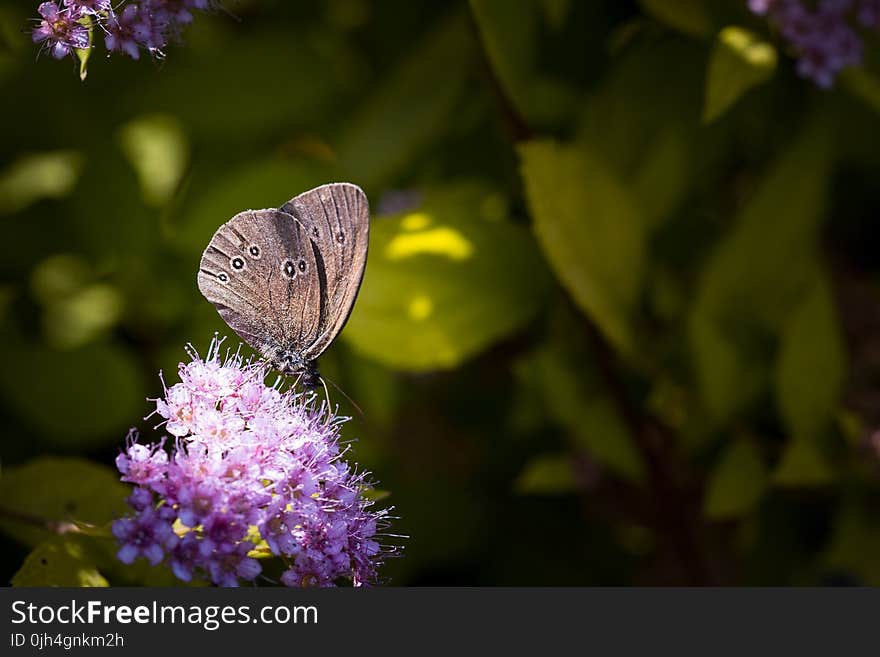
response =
{"points": [[619, 323]]}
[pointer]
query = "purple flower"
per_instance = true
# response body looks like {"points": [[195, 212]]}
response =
{"points": [[84, 7], [60, 30], [149, 535], [868, 14], [252, 466], [823, 35], [122, 31], [140, 464], [176, 11], [128, 26], [760, 7]]}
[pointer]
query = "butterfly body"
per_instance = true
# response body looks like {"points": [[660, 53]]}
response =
{"points": [[291, 363], [286, 279]]}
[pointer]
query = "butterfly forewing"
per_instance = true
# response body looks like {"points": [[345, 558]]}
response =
{"points": [[260, 271]]}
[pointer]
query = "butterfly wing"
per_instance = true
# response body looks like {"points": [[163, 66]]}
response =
{"points": [[336, 218], [260, 272]]}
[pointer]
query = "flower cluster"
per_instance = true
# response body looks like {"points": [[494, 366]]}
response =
{"points": [[252, 471], [127, 27], [825, 34]]}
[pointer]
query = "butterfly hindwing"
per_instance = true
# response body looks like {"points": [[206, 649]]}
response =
{"points": [[336, 218]]}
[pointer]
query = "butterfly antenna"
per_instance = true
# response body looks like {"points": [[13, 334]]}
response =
{"points": [[327, 396], [352, 401]]}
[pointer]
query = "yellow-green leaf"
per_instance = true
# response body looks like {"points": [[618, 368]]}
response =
{"points": [[508, 32], [688, 16], [727, 378], [555, 12], [158, 150], [59, 490], [591, 232], [803, 463], [745, 281], [740, 60], [443, 282], [583, 409], [59, 561], [96, 392], [408, 109], [757, 274], [856, 542], [810, 369], [550, 474], [662, 176], [863, 84], [37, 176], [737, 482]]}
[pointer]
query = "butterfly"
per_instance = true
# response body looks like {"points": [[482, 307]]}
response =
{"points": [[286, 280]]}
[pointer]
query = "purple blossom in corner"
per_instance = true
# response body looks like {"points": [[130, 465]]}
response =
{"points": [[84, 7], [59, 30], [122, 30], [128, 27], [253, 471], [826, 36]]}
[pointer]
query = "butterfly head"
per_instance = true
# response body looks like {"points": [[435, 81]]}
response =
{"points": [[291, 363]]}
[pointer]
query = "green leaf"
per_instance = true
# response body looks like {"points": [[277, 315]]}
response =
{"points": [[590, 231], [88, 397], [743, 283], [509, 36], [59, 561], [745, 296], [157, 148], [608, 439], [688, 16], [59, 277], [443, 282], [661, 179], [728, 377], [76, 308], [651, 92], [550, 474], [803, 463], [409, 109], [77, 320], [509, 33], [555, 12], [809, 379], [862, 84], [851, 427], [856, 543], [643, 122], [58, 490], [38, 176], [583, 408], [737, 482], [810, 369], [224, 93], [739, 61]]}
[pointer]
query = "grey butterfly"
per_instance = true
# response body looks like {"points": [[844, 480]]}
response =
{"points": [[285, 280]]}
